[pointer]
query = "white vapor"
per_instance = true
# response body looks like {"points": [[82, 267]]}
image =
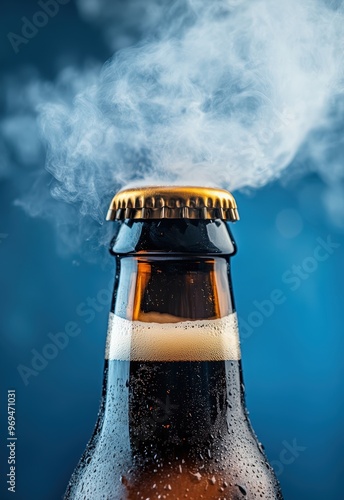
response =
{"points": [[223, 93], [125, 22]]}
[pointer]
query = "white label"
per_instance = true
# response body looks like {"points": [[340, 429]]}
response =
{"points": [[206, 340]]}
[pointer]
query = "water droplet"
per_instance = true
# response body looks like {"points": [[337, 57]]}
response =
{"points": [[242, 490], [197, 475], [261, 447]]}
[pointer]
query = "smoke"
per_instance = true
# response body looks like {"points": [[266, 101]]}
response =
{"points": [[226, 93], [124, 23]]}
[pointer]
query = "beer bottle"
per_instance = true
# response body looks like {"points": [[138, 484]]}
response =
{"points": [[172, 422]]}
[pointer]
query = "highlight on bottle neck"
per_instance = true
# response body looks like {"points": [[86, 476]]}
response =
{"points": [[173, 202]]}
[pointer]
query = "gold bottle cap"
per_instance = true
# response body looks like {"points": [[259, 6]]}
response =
{"points": [[173, 202]]}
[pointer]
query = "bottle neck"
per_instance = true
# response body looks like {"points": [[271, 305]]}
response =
{"points": [[167, 288], [174, 409], [173, 331]]}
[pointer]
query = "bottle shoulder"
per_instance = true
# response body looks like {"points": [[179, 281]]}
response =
{"points": [[231, 466], [175, 480]]}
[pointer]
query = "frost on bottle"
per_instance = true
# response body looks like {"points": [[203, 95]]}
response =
{"points": [[172, 422]]}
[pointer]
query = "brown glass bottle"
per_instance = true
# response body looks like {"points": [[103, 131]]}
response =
{"points": [[172, 422]]}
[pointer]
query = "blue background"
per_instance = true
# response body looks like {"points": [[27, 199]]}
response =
{"points": [[292, 362]]}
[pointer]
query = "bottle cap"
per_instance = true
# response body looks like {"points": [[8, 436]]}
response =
{"points": [[173, 202]]}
